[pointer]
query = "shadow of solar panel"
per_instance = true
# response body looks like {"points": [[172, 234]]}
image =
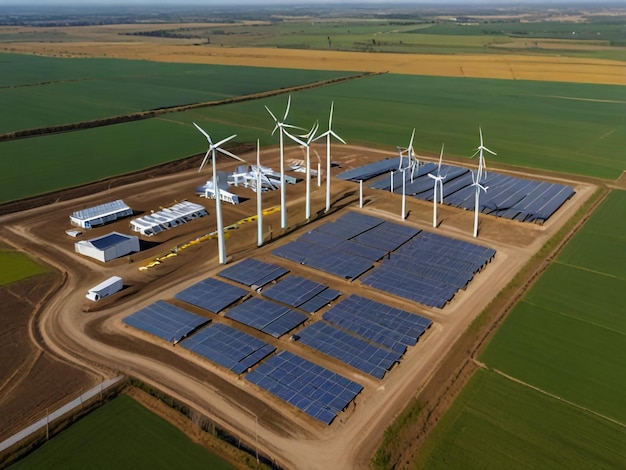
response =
{"points": [[228, 347], [369, 358], [165, 321], [294, 290], [317, 391], [388, 326], [252, 272], [211, 294], [370, 170]]}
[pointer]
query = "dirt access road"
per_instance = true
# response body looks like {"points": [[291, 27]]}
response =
{"points": [[97, 339]]}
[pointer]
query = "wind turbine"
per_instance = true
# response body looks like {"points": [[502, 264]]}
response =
{"points": [[213, 149], [280, 126], [481, 158], [438, 179], [412, 160], [478, 186], [328, 134], [307, 144]]}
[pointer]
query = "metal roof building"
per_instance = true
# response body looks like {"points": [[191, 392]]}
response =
{"points": [[167, 218], [108, 247], [100, 215]]}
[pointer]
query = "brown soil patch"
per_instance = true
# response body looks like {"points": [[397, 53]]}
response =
{"points": [[31, 379], [503, 66]]}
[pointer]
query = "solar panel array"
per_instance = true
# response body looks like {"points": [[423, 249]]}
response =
{"points": [[228, 347], [211, 294], [429, 269], [353, 350], [385, 325], [370, 170], [165, 321], [251, 272], [508, 196], [302, 293], [315, 390], [265, 316], [347, 247]]}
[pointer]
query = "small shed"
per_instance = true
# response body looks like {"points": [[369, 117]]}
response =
{"points": [[108, 247]]}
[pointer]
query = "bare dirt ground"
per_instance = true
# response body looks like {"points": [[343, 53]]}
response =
{"points": [[31, 379], [94, 336], [503, 66]]}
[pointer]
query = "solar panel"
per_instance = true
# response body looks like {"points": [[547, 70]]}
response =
{"points": [[294, 290], [266, 316], [370, 170], [228, 347], [165, 321], [252, 272], [390, 327], [359, 353], [211, 294], [315, 390], [387, 236]]}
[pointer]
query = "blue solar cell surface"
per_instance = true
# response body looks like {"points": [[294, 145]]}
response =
{"points": [[165, 321], [370, 170], [302, 293], [388, 326], [106, 241], [252, 272], [352, 350], [228, 347], [507, 196], [315, 390], [211, 294], [266, 316], [429, 269]]}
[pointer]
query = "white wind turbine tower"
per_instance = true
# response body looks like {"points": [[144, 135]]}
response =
{"points": [[259, 201], [213, 149], [481, 158], [281, 125], [328, 134], [478, 186], [438, 179], [307, 144]]}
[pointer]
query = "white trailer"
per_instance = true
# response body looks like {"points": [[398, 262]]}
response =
{"points": [[110, 286]]}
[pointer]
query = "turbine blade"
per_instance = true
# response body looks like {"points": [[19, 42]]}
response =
{"points": [[204, 132], [412, 136], [490, 151], [288, 106], [330, 119], [204, 160], [231, 155], [295, 139], [272, 114], [337, 137], [222, 142], [481, 135], [475, 153]]}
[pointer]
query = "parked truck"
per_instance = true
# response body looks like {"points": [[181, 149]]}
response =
{"points": [[110, 286]]}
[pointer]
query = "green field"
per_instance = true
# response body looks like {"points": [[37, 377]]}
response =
{"points": [[15, 266], [568, 338], [121, 434], [106, 88], [553, 126], [496, 423]]}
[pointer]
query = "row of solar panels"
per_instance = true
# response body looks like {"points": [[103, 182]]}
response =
{"points": [[420, 266], [508, 196]]}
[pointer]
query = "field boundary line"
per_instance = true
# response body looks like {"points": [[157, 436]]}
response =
{"points": [[582, 268], [558, 312], [148, 114], [556, 397]]}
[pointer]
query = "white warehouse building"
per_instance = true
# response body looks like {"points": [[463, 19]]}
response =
{"points": [[100, 215], [108, 247]]}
